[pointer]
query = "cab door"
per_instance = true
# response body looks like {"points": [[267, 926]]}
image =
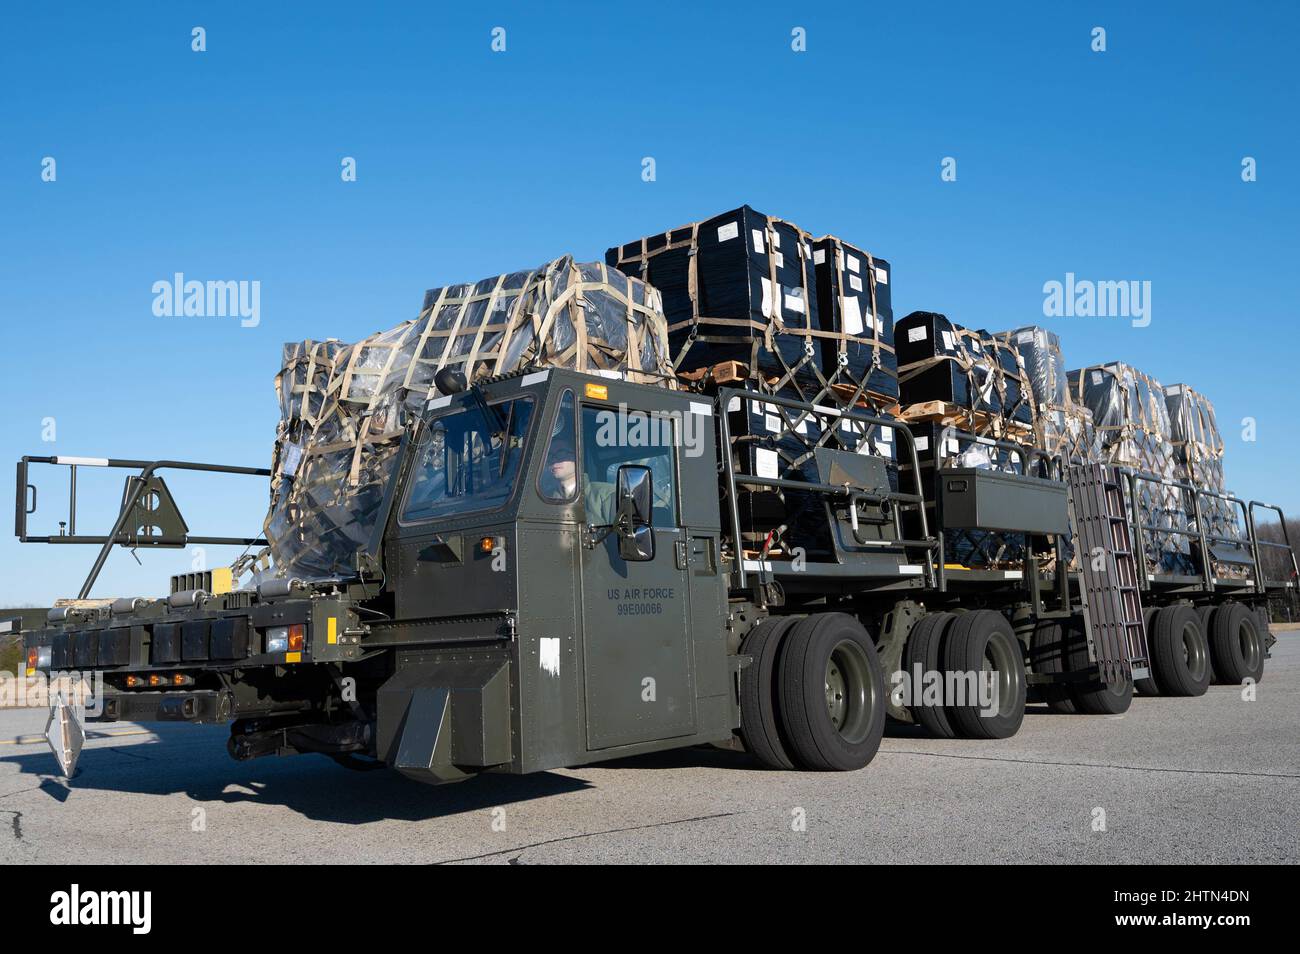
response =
{"points": [[637, 659]]}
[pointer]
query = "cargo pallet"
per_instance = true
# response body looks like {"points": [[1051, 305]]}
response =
{"points": [[525, 632]]}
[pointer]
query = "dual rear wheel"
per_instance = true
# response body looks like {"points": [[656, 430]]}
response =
{"points": [[978, 669], [814, 695]]}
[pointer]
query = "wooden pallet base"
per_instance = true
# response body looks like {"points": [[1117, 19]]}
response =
{"points": [[981, 423]]}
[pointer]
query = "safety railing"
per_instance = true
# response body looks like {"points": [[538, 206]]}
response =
{"points": [[803, 411]]}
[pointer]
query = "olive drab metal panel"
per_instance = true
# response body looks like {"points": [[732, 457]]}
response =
{"points": [[637, 657]]}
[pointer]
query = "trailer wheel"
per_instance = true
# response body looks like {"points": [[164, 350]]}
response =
{"points": [[1180, 655], [1148, 685], [759, 725], [1097, 697], [924, 647], [1206, 613], [1236, 645], [832, 693], [1048, 649], [980, 642]]}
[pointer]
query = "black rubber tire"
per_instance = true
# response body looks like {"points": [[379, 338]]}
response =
{"points": [[1206, 613], [1096, 698], [1047, 656], [1237, 645], [1180, 655], [977, 639], [925, 646], [1148, 685], [759, 722], [817, 650]]}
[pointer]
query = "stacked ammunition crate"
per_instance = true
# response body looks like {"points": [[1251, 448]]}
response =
{"points": [[755, 302]]}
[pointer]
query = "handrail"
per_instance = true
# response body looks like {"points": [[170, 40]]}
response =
{"points": [[807, 409], [1202, 537], [147, 469]]}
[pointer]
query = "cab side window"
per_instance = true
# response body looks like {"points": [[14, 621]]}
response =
{"points": [[558, 481], [612, 437]]}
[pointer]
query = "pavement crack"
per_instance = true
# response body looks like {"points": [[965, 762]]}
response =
{"points": [[18, 822], [126, 751], [518, 850], [1098, 765]]}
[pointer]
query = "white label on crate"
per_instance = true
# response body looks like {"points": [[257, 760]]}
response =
{"points": [[855, 283], [916, 334], [728, 232], [922, 443], [733, 405], [767, 298], [776, 239], [794, 298], [805, 427], [1025, 337], [765, 463], [887, 434], [853, 316], [807, 249], [951, 446], [702, 409], [780, 260], [1096, 377], [882, 276], [759, 246], [772, 423], [819, 257], [854, 265], [949, 342]]}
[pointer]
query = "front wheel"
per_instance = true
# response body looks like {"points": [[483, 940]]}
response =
{"points": [[832, 692]]}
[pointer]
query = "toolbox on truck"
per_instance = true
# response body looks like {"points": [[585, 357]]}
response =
{"points": [[991, 500]]}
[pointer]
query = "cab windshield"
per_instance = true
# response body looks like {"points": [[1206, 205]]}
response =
{"points": [[468, 460]]}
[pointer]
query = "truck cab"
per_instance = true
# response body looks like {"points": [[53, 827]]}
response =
{"points": [[566, 527]]}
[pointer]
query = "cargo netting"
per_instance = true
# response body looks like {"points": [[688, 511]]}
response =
{"points": [[344, 407]]}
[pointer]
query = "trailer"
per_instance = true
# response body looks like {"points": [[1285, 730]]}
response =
{"points": [[565, 571]]}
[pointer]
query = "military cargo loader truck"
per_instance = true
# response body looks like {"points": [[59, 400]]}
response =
{"points": [[566, 570]]}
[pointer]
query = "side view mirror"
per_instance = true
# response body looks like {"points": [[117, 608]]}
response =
{"points": [[635, 512]]}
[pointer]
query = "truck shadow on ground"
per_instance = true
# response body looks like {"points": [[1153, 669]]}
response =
{"points": [[310, 785]]}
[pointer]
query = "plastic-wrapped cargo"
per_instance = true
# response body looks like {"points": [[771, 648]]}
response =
{"points": [[344, 407], [1132, 424], [1063, 428], [854, 300], [739, 286], [1198, 460], [940, 360]]}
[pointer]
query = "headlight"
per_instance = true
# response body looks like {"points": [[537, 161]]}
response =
{"points": [[285, 639], [277, 639]]}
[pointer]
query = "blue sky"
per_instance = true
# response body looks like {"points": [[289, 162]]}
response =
{"points": [[224, 165]]}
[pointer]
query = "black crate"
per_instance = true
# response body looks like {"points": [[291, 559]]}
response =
{"points": [[165, 644], [195, 634], [230, 637], [939, 360], [725, 283], [852, 285]]}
